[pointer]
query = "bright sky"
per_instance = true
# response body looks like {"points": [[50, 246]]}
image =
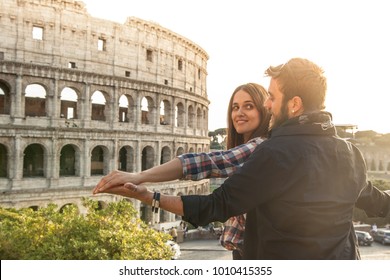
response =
{"points": [[349, 39]]}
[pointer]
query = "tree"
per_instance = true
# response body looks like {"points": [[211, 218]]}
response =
{"points": [[216, 135], [112, 233]]}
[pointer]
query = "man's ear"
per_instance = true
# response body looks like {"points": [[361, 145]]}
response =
{"points": [[295, 106]]}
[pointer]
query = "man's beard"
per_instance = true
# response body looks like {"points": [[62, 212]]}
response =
{"points": [[279, 120]]}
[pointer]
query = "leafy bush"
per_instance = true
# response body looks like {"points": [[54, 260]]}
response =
{"points": [[111, 233]]}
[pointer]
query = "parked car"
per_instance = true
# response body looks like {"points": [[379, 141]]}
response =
{"points": [[364, 238], [175, 249], [382, 236]]}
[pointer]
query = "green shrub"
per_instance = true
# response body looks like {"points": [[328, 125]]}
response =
{"points": [[111, 233]]}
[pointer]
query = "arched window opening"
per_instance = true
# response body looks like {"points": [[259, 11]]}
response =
{"points": [[97, 161], [34, 207], [179, 115], [122, 164], [165, 112], [68, 103], [179, 151], [33, 161], [68, 161], [191, 118], [199, 119], [3, 161], [147, 158], [5, 101], [146, 117], [102, 205], [191, 150], [142, 213], [35, 101], [63, 208], [126, 159], [98, 106], [165, 155], [123, 109]]}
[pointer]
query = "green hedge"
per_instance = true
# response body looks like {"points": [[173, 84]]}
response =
{"points": [[112, 233]]}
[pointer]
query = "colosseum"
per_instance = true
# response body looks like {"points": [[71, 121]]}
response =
{"points": [[81, 96]]}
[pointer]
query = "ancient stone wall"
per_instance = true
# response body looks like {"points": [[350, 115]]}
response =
{"points": [[81, 96]]}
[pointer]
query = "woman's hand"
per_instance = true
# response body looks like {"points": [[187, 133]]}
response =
{"points": [[115, 179], [127, 190]]}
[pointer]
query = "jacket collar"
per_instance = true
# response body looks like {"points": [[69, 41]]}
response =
{"points": [[315, 123]]}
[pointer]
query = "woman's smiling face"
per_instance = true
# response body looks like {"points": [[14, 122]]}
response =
{"points": [[245, 116]]}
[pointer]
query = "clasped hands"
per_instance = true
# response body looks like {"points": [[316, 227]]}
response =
{"points": [[120, 183]]}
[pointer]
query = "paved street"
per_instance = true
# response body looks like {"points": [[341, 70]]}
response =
{"points": [[204, 250], [211, 250]]}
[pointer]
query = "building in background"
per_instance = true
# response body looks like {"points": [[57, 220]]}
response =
{"points": [[81, 96]]}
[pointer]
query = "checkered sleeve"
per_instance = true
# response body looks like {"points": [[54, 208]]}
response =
{"points": [[216, 164]]}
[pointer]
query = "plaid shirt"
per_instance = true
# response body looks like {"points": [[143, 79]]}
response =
{"points": [[219, 164]]}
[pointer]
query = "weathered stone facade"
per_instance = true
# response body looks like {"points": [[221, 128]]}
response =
{"points": [[81, 96]]}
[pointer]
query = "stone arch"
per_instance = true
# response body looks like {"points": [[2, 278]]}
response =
{"points": [[179, 115], [69, 160], [34, 207], [147, 110], [179, 151], [69, 98], [62, 208], [5, 99], [165, 154], [126, 159], [165, 112], [3, 161], [102, 205], [123, 108], [191, 116], [191, 150], [35, 100], [99, 160], [98, 103], [34, 161], [147, 158]]}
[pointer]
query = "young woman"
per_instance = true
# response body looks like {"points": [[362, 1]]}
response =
{"points": [[248, 121]]}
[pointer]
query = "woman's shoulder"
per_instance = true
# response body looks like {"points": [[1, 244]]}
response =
{"points": [[256, 140]]}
